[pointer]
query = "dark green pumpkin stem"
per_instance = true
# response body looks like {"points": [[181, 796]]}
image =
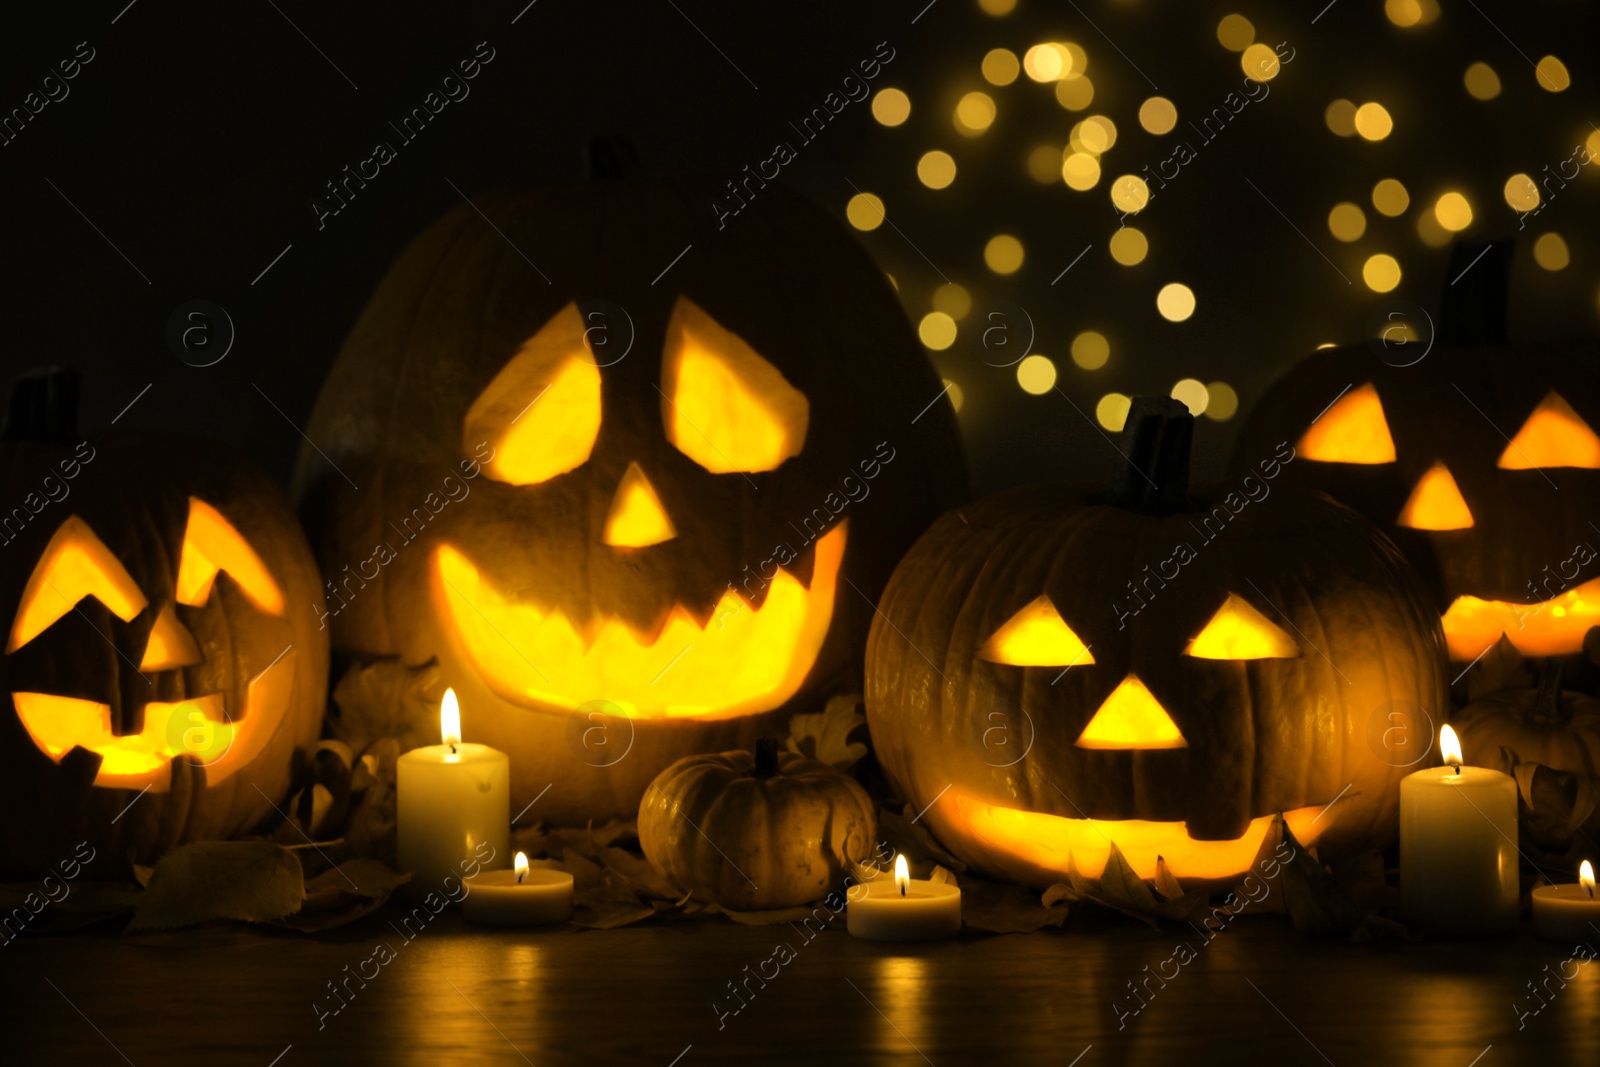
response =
{"points": [[1477, 285], [766, 757], [43, 407], [1548, 708], [1152, 473]]}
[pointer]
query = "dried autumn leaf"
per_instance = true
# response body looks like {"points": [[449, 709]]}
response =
{"points": [[906, 835], [252, 881], [387, 699], [1502, 667], [825, 735], [1008, 909]]}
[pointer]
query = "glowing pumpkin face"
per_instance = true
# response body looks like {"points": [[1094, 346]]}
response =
{"points": [[1481, 462], [161, 642], [1055, 671], [661, 503]]}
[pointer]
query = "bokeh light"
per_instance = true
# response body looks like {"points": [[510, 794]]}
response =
{"points": [[1175, 301], [1381, 272], [1552, 74], [1550, 252], [1235, 33], [1260, 64], [1341, 118], [1223, 403], [891, 107], [937, 330], [1001, 66], [974, 113], [997, 8], [1003, 254], [1044, 164], [1129, 247], [1373, 121], [1095, 134], [1482, 82], [1390, 198], [1046, 62], [1112, 411], [1453, 212], [1080, 171], [1075, 94], [1193, 394], [936, 169], [1347, 221], [864, 211], [1090, 350], [1130, 193], [1158, 115], [952, 299], [1521, 193], [1036, 374], [954, 393]]}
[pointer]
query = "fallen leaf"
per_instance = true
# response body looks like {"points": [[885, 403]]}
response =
{"points": [[252, 881], [1316, 903], [343, 894], [1008, 909], [387, 699], [825, 735], [1120, 888], [769, 917], [1502, 667], [913, 840]]}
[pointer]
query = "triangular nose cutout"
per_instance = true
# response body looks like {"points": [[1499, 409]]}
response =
{"points": [[1131, 718], [637, 518], [170, 646], [1436, 503]]}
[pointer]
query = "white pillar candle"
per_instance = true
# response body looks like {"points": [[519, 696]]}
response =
{"points": [[907, 910], [522, 896], [1458, 846], [450, 800], [1568, 912]]}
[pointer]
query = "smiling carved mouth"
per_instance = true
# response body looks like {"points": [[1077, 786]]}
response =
{"points": [[1553, 627], [742, 661], [1048, 841]]}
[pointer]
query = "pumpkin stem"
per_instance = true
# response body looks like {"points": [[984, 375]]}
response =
{"points": [[43, 407], [611, 158], [1472, 312], [1547, 705], [1152, 473], [766, 757]]}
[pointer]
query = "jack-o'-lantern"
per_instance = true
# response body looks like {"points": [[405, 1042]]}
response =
{"points": [[1480, 459], [1054, 670], [636, 499], [162, 658]]}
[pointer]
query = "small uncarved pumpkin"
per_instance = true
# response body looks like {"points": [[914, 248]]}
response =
{"points": [[1549, 726], [755, 830]]}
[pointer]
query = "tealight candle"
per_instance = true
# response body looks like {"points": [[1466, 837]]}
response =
{"points": [[1568, 912], [522, 896], [1458, 846], [908, 910], [450, 800]]}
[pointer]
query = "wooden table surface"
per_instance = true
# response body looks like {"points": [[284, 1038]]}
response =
{"points": [[458, 994]]}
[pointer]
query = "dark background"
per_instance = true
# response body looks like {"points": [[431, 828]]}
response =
{"points": [[197, 137]]}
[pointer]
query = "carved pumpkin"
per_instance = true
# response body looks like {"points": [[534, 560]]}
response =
{"points": [[756, 831], [1481, 461], [638, 509], [1055, 669], [162, 657], [1550, 726]]}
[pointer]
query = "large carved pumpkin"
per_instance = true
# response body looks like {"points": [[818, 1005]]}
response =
{"points": [[163, 659], [1055, 669], [632, 478], [1480, 460]]}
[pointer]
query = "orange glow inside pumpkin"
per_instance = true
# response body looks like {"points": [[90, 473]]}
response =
{"points": [[74, 565], [1436, 503], [1239, 631], [171, 645], [1049, 841], [1131, 718], [743, 661], [1553, 436], [541, 413], [637, 518], [1036, 636], [211, 544], [1353, 430], [724, 406], [1553, 627]]}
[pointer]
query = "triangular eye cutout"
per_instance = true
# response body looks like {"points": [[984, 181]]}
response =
{"points": [[1131, 717], [1436, 503], [211, 544], [1553, 436], [75, 564], [1036, 636], [637, 518], [1353, 430], [1238, 631], [723, 405], [541, 413]]}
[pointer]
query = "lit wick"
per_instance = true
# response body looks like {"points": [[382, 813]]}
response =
{"points": [[521, 866], [902, 875], [1450, 747], [450, 720], [1586, 877]]}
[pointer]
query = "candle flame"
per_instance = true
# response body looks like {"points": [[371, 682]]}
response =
{"points": [[1450, 746], [1586, 877], [902, 875], [450, 719], [520, 865]]}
